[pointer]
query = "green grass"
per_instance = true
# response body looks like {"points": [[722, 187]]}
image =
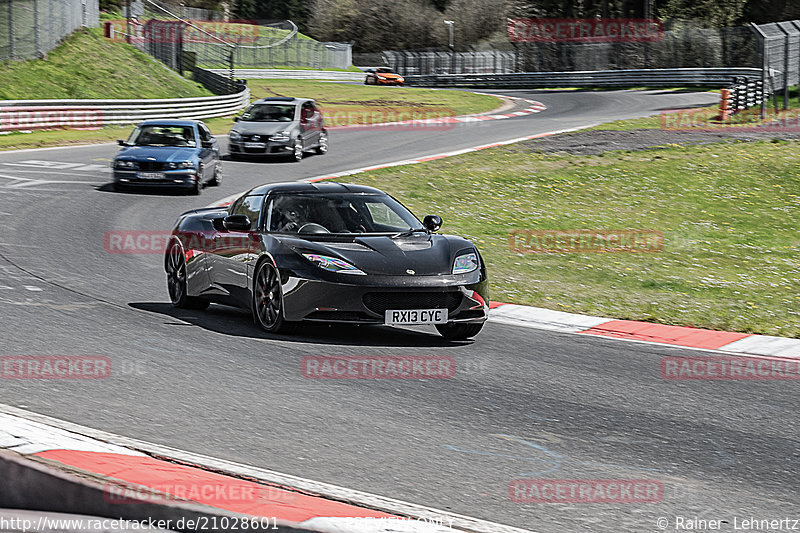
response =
{"points": [[342, 103], [707, 116], [728, 213], [345, 103], [87, 65]]}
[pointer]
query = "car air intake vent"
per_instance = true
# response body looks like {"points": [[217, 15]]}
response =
{"points": [[255, 138], [408, 246], [151, 165], [380, 302]]}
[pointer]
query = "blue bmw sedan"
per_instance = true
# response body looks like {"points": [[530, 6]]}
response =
{"points": [[168, 153]]}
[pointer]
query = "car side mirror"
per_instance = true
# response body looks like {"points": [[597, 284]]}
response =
{"points": [[236, 223], [432, 222], [236, 119], [207, 144], [122, 142]]}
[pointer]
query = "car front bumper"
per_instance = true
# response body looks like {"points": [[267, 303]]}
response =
{"points": [[365, 303], [183, 178], [269, 148]]}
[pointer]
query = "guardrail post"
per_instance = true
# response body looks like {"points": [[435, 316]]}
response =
{"points": [[762, 38]]}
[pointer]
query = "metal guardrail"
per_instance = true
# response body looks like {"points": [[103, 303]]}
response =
{"points": [[274, 73], [23, 115], [671, 77]]}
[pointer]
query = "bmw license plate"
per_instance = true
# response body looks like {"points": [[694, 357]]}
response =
{"points": [[150, 175], [407, 317], [255, 145]]}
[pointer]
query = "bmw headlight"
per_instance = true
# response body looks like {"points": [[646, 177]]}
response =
{"points": [[281, 137], [120, 163], [333, 264], [465, 263], [181, 164], [235, 136]]}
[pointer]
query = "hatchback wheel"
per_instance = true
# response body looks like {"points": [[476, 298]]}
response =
{"points": [[322, 147]]}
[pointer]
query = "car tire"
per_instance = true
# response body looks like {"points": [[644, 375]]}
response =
{"points": [[458, 332], [322, 147], [216, 181], [297, 154], [175, 265], [197, 187], [267, 302]]}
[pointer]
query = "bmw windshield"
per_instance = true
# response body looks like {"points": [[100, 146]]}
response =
{"points": [[338, 214], [158, 135]]}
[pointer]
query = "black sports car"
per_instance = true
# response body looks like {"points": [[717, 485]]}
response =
{"points": [[327, 252]]}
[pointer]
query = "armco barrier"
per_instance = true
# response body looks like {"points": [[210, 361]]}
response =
{"points": [[289, 74], [40, 114], [677, 77]]}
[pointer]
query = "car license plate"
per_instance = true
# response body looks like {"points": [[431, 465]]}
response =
{"points": [[407, 317], [255, 145], [150, 175]]}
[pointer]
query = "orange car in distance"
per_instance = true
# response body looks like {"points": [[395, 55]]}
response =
{"points": [[383, 76]]}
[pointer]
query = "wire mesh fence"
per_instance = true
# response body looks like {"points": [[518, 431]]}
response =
{"points": [[409, 63], [780, 44], [31, 28], [679, 47]]}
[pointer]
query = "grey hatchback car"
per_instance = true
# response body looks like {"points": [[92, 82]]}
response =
{"points": [[279, 126]]}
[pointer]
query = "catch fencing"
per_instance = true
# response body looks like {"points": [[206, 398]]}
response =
{"points": [[31, 28], [780, 58], [410, 63]]}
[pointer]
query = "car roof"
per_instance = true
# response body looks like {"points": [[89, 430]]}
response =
{"points": [[327, 187], [283, 99], [169, 122]]}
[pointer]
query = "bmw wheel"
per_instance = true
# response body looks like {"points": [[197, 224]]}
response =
{"points": [[458, 332], [176, 281], [268, 299], [217, 179]]}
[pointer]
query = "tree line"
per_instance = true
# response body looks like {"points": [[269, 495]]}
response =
{"points": [[377, 25]]}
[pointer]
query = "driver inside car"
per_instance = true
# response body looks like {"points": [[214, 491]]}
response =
{"points": [[292, 218]]}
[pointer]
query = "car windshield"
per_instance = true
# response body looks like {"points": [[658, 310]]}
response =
{"points": [[162, 135], [339, 214], [269, 113], [385, 70]]}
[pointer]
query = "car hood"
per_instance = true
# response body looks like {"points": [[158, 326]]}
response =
{"points": [[261, 128], [389, 75], [157, 153], [425, 255]]}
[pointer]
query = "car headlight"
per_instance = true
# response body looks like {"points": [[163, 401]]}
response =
{"points": [[333, 264], [181, 164], [281, 137], [235, 136], [119, 163], [465, 263]]}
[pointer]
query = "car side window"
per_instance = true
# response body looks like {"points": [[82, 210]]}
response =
{"points": [[308, 111], [250, 206]]}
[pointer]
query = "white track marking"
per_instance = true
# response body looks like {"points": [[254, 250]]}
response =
{"points": [[62, 433]]}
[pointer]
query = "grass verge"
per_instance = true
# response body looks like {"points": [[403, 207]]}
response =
{"points": [[728, 213], [87, 65], [343, 104]]}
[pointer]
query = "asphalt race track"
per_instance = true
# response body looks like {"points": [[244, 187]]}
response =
{"points": [[524, 403]]}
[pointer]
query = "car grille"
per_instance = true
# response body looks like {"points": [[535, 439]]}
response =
{"points": [[380, 302], [252, 138], [150, 165]]}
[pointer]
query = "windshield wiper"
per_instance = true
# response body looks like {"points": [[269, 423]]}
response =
{"points": [[408, 233]]}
